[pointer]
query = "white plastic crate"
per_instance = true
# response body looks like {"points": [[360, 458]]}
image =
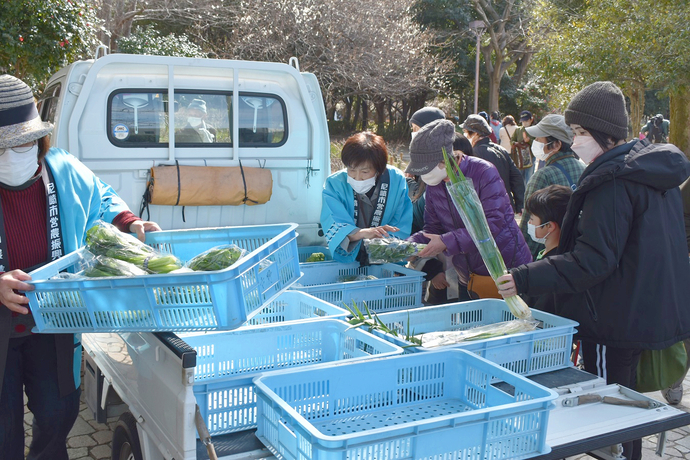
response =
{"points": [[227, 362], [222, 299], [395, 288], [296, 306], [437, 405], [544, 349]]}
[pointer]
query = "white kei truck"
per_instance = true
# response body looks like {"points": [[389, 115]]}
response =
{"points": [[134, 118]]}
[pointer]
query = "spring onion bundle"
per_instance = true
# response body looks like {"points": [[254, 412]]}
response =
{"points": [[444, 338], [469, 206]]}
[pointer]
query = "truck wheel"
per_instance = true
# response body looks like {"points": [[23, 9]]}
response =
{"points": [[126, 439]]}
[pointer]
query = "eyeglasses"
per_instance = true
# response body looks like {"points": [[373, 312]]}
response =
{"points": [[19, 149]]}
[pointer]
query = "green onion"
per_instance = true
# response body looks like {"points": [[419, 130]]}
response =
{"points": [[469, 207]]}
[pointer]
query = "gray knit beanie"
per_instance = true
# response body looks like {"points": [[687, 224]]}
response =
{"points": [[19, 119], [426, 115], [600, 106], [426, 148]]}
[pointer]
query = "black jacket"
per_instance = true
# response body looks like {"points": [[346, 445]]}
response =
{"points": [[622, 268], [512, 179]]}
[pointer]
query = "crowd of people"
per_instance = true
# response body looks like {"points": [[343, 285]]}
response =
{"points": [[601, 237], [581, 215]]}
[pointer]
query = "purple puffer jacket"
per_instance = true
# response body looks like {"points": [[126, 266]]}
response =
{"points": [[440, 218]]}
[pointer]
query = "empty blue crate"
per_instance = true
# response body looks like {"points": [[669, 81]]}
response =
{"points": [[227, 362], [544, 349], [394, 288], [221, 299], [296, 306], [449, 404]]}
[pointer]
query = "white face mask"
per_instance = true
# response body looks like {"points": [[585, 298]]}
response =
{"points": [[587, 148], [17, 168], [361, 186], [538, 150], [414, 133], [532, 232], [194, 121], [435, 176]]}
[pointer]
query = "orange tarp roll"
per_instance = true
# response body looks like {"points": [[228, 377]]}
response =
{"points": [[209, 185]]}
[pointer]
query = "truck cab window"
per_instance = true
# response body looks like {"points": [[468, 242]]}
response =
{"points": [[139, 118]]}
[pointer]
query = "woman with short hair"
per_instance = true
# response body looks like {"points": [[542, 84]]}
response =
{"points": [[368, 199]]}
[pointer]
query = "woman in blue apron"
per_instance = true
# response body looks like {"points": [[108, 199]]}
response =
{"points": [[48, 199], [368, 199]]}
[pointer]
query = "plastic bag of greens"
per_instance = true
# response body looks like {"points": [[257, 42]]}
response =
{"points": [[104, 266], [216, 258], [316, 257], [350, 278], [104, 239], [391, 250]]}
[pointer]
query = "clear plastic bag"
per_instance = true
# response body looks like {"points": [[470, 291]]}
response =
{"points": [[391, 250], [104, 239], [216, 258], [350, 278], [444, 338]]}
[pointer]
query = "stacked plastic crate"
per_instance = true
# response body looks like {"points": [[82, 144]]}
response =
{"points": [[378, 288]]}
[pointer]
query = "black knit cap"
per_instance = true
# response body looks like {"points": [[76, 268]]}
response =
{"points": [[426, 148], [426, 115], [600, 106]]}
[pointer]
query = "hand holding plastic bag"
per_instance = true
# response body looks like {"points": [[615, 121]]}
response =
{"points": [[391, 250]]}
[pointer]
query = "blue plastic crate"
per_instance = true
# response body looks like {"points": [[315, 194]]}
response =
{"points": [[437, 405], [544, 349], [296, 306], [227, 362], [222, 299], [306, 251], [396, 288]]}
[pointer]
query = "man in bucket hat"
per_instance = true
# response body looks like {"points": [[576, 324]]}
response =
{"points": [[444, 231], [48, 199], [477, 130], [552, 141]]}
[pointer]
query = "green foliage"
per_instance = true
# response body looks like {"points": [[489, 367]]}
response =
{"points": [[628, 42], [41, 36], [147, 40]]}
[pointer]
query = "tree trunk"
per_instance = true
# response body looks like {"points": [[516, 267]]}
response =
{"points": [[391, 115], [380, 107], [365, 114], [358, 102], [494, 89], [636, 95], [405, 109], [679, 132], [348, 110]]}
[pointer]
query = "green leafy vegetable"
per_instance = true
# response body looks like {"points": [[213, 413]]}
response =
{"points": [[316, 257], [217, 258], [391, 250], [102, 266], [104, 239]]}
